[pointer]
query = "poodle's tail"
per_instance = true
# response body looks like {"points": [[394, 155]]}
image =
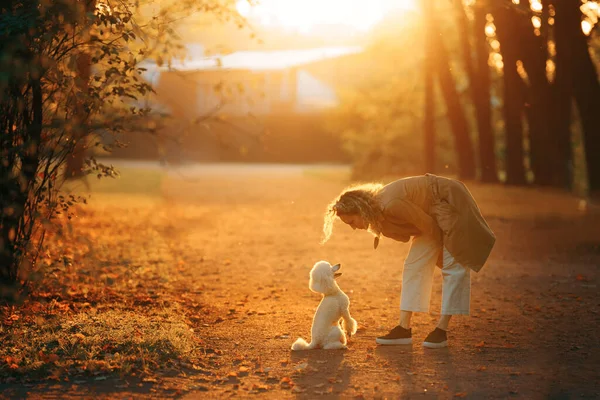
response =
{"points": [[301, 344]]}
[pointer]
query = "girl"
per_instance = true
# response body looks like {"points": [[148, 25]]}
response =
{"points": [[447, 228]]}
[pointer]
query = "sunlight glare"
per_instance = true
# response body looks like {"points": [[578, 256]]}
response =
{"points": [[551, 48], [490, 29], [536, 5], [591, 10], [304, 15], [550, 70], [586, 27]]}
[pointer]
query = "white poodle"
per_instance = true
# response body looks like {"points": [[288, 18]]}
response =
{"points": [[326, 332]]}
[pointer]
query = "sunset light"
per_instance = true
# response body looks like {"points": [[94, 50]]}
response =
{"points": [[305, 15], [277, 199]]}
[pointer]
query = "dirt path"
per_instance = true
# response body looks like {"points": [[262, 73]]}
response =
{"points": [[249, 236]]}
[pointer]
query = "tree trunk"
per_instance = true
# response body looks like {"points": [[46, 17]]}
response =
{"points": [[458, 122], [549, 168], [586, 88], [15, 191], [74, 164], [561, 95], [513, 97], [429, 100], [482, 98]]}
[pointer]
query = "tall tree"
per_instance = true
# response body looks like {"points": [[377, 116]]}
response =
{"points": [[456, 114], [429, 94], [560, 114], [513, 101], [482, 96], [479, 82], [21, 109], [548, 163], [75, 162], [584, 80]]}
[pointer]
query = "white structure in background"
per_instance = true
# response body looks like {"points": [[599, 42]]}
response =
{"points": [[256, 82]]}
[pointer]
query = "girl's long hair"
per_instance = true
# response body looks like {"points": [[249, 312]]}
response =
{"points": [[356, 199]]}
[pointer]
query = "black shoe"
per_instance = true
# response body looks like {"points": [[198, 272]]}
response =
{"points": [[398, 335], [436, 339]]}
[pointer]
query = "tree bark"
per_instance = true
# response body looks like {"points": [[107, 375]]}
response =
{"points": [[547, 162], [561, 96], [74, 164], [513, 97], [429, 95], [481, 94], [15, 191], [585, 85], [458, 122]]}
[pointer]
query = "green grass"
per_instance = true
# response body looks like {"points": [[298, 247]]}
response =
{"points": [[129, 181], [98, 343]]}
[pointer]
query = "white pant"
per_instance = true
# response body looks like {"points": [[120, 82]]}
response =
{"points": [[417, 279]]}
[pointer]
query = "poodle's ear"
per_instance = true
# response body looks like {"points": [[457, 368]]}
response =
{"points": [[336, 268]]}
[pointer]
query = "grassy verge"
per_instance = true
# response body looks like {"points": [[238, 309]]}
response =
{"points": [[147, 182], [113, 294], [94, 343]]}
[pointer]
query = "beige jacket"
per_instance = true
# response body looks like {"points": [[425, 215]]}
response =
{"points": [[439, 207]]}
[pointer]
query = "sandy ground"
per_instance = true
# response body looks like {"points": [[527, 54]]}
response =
{"points": [[250, 234]]}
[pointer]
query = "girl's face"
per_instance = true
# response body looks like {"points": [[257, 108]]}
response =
{"points": [[354, 220]]}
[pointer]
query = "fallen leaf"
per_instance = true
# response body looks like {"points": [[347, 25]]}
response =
{"points": [[480, 344], [300, 367], [259, 387], [460, 394]]}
